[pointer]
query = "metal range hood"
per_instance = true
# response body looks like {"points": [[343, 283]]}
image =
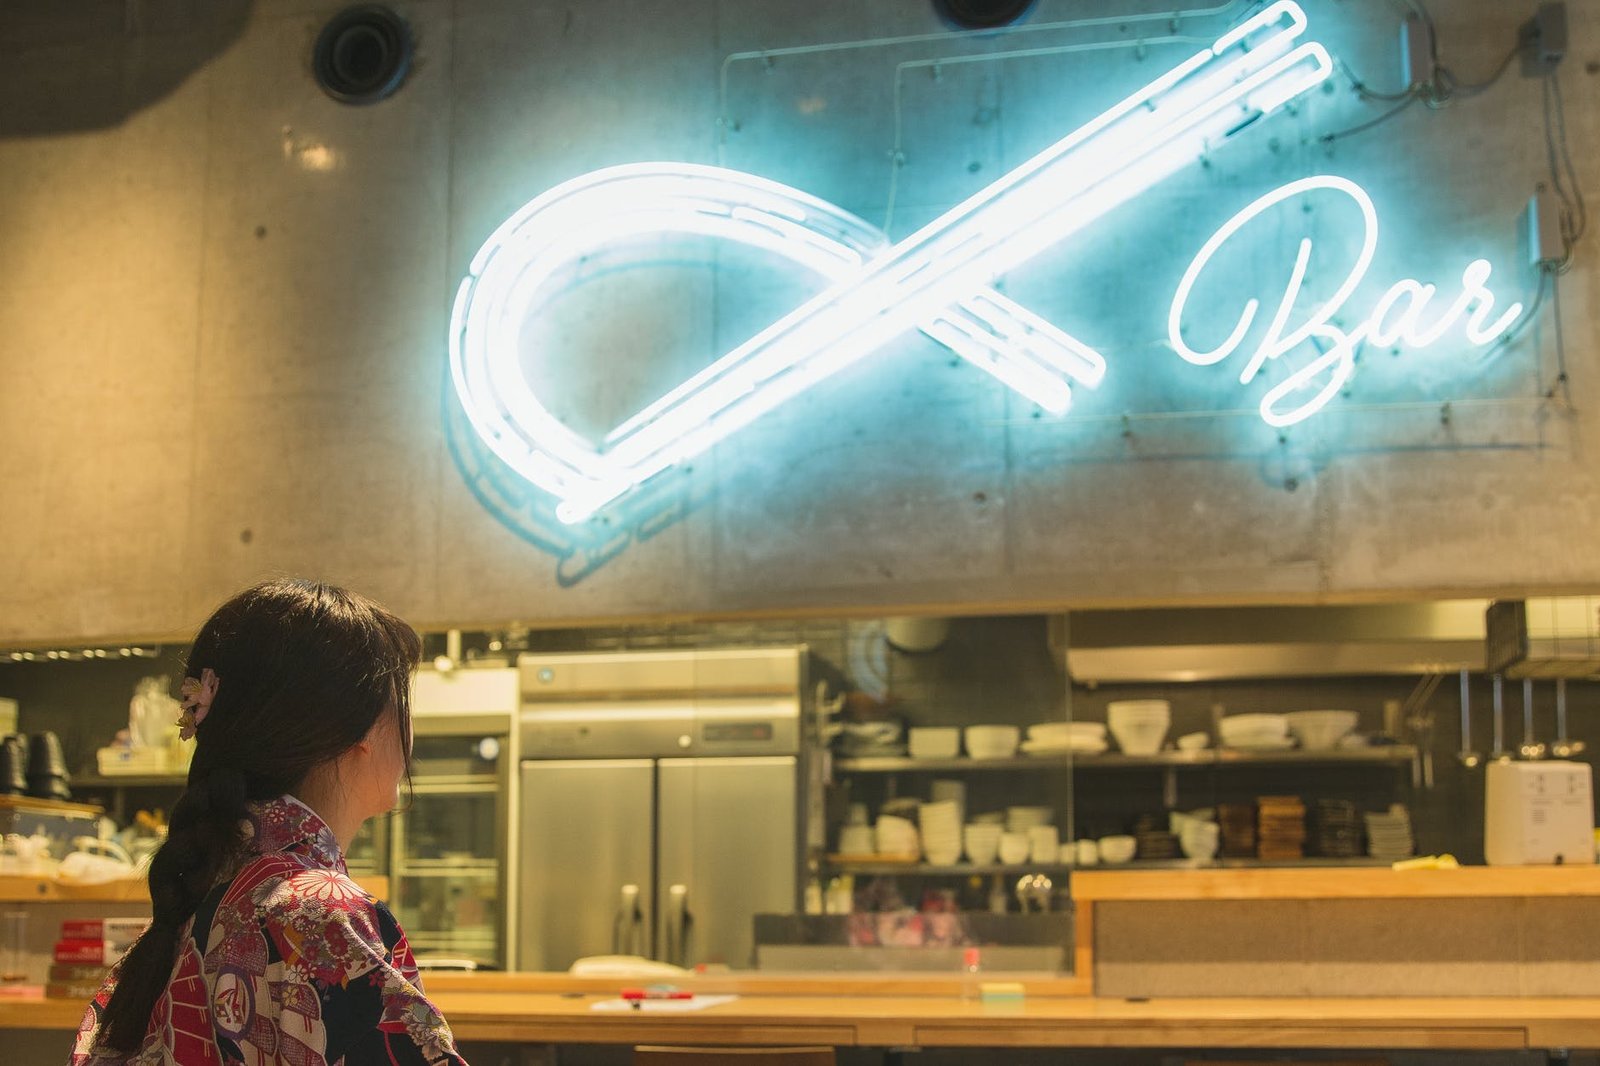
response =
{"points": [[1213, 644], [1550, 637]]}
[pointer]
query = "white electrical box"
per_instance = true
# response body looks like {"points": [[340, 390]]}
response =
{"points": [[1538, 813]]}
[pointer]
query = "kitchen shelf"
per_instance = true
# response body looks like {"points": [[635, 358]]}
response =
{"points": [[477, 869], [961, 869], [84, 781], [1377, 755]]}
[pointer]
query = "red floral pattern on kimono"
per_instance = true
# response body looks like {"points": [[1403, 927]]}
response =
{"points": [[289, 961]]}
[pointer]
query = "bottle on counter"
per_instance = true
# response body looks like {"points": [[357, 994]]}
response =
{"points": [[971, 974]]}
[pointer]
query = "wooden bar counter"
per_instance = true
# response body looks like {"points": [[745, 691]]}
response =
{"points": [[1480, 1024], [912, 1011]]}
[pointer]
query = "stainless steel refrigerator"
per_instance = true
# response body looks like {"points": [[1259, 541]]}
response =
{"points": [[659, 803]]}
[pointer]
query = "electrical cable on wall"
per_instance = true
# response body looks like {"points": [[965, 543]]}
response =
{"points": [[1438, 88], [1574, 211]]}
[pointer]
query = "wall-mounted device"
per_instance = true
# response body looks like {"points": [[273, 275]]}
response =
{"points": [[1538, 813]]}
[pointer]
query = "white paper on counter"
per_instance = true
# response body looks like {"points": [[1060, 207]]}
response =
{"points": [[666, 1005]]}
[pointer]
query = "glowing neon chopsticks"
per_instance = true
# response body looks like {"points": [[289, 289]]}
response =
{"points": [[937, 279]]}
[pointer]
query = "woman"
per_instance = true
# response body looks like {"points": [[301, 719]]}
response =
{"points": [[262, 949]]}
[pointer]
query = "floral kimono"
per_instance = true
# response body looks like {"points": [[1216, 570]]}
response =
{"points": [[287, 962]]}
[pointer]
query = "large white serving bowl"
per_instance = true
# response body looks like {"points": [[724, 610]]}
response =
{"points": [[992, 741], [1320, 730], [1140, 726]]}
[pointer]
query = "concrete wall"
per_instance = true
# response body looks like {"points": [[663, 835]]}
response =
{"points": [[224, 302], [1347, 947]]}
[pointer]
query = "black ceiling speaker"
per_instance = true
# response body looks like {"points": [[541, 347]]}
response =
{"points": [[363, 54], [981, 14]]}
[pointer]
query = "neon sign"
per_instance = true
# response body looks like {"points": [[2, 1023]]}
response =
{"points": [[936, 280], [1397, 316]]}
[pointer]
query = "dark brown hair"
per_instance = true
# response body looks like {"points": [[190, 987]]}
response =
{"points": [[305, 670]]}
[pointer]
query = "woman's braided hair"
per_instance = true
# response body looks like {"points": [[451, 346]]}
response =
{"points": [[306, 669]]}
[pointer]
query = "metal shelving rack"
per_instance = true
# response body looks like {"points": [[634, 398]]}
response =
{"points": [[1207, 757]]}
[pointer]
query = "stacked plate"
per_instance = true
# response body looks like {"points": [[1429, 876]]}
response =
{"points": [[1389, 834], [941, 832], [1338, 832], [896, 837], [1280, 827], [1255, 732], [1059, 738], [1155, 842], [1238, 822], [870, 739]]}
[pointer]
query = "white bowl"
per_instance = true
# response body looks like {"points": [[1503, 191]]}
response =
{"points": [[935, 742], [1014, 848], [1139, 738], [992, 741], [1118, 849], [1320, 730], [1131, 709], [1194, 742], [1139, 725], [982, 843], [1272, 725]]}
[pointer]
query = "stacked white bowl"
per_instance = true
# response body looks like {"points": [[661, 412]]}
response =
{"points": [[1321, 730], [856, 840], [896, 836], [1140, 726], [1022, 819], [954, 791], [1254, 731], [982, 840], [992, 741], [1199, 840], [935, 742], [941, 832]]}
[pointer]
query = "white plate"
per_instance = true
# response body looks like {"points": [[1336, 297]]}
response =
{"points": [[1088, 746], [1275, 744]]}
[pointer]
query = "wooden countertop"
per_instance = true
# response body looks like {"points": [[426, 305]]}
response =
{"points": [[1336, 883], [1508, 1023]]}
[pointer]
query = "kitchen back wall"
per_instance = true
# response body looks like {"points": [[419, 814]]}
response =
{"points": [[226, 303]]}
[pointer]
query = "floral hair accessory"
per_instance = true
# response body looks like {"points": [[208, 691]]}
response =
{"points": [[197, 695]]}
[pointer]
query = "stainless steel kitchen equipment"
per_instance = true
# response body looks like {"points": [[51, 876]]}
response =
{"points": [[446, 850], [660, 803]]}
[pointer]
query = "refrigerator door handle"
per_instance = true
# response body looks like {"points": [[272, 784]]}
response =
{"points": [[628, 927], [677, 924]]}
